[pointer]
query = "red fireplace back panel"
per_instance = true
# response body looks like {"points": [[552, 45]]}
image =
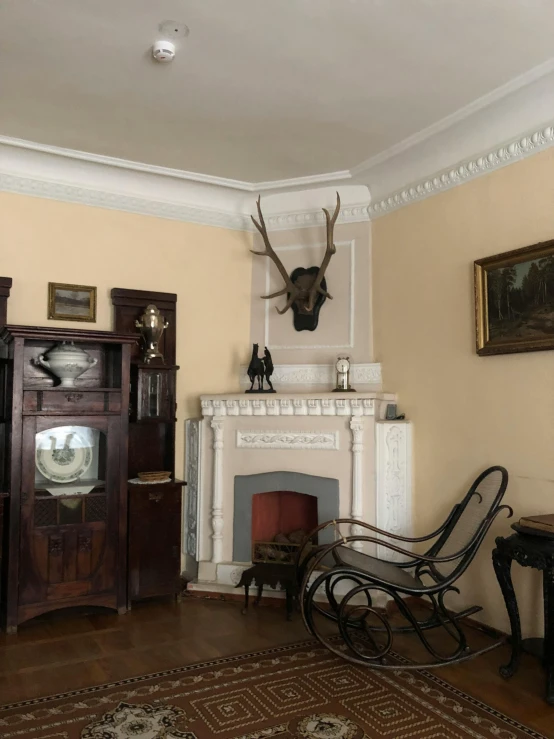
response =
{"points": [[282, 512]]}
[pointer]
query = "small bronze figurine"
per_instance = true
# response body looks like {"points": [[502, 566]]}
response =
{"points": [[152, 326], [260, 369], [268, 368]]}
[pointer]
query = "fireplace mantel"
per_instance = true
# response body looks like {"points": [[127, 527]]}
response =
{"points": [[338, 436], [295, 404]]}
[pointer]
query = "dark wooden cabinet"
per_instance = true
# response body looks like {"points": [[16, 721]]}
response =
{"points": [[154, 509], [5, 287], [65, 474], [154, 539]]}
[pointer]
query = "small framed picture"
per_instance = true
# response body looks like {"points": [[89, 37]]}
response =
{"points": [[390, 413], [71, 302]]}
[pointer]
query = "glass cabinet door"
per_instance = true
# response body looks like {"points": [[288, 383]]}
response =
{"points": [[154, 393], [70, 463], [68, 511]]}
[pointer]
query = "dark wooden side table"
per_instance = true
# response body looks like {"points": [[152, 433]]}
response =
{"points": [[536, 552], [267, 573]]}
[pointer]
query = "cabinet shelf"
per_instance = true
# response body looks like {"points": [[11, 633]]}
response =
{"points": [[41, 492], [76, 389]]}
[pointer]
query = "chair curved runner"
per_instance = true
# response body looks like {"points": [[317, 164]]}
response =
{"points": [[320, 569]]}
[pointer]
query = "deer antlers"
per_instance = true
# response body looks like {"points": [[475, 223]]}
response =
{"points": [[290, 287], [296, 292]]}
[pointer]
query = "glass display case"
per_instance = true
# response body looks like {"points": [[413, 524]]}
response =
{"points": [[70, 462], [65, 466]]}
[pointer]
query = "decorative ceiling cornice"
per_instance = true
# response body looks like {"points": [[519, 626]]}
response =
{"points": [[467, 170], [307, 219], [435, 159], [508, 89], [178, 174], [70, 176], [69, 193]]}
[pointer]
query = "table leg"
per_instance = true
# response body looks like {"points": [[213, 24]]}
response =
{"points": [[289, 601], [246, 589], [259, 596], [502, 566], [548, 591]]}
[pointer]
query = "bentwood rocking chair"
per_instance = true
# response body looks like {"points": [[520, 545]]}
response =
{"points": [[350, 581]]}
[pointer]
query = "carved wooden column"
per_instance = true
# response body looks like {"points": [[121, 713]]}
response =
{"points": [[356, 511], [217, 499]]}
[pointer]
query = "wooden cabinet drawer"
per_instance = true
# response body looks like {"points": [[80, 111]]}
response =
{"points": [[71, 401]]}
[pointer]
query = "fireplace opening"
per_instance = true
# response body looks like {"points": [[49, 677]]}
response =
{"points": [[280, 520], [294, 501]]}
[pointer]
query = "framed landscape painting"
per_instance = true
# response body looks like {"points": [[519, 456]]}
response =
{"points": [[514, 300], [71, 302]]}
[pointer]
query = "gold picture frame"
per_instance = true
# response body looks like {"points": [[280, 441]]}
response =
{"points": [[514, 300], [71, 302]]}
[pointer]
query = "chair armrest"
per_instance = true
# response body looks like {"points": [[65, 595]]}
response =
{"points": [[476, 539], [421, 557], [389, 534]]}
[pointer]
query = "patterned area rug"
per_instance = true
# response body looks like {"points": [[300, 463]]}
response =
{"points": [[298, 691]]}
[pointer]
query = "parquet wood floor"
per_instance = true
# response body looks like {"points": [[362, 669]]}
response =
{"points": [[66, 651]]}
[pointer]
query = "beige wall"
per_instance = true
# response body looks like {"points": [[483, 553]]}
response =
{"points": [[209, 268], [468, 411]]}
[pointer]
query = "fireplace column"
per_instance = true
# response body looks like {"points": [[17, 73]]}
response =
{"points": [[217, 499], [356, 512]]}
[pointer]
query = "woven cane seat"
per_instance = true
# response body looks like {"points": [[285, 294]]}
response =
{"points": [[377, 568]]}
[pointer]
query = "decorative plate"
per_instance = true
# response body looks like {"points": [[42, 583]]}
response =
{"points": [[65, 463]]}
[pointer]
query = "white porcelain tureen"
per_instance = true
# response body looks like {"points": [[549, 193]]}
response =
{"points": [[67, 362]]}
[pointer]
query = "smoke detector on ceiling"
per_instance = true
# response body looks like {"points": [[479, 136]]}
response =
{"points": [[163, 51]]}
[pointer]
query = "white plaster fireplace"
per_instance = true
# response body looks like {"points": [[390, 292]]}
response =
{"points": [[302, 438]]}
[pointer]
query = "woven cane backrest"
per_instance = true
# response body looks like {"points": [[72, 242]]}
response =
{"points": [[474, 509]]}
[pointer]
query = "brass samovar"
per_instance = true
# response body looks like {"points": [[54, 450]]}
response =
{"points": [[152, 326]]}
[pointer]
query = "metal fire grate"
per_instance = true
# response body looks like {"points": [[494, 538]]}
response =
{"points": [[274, 552]]}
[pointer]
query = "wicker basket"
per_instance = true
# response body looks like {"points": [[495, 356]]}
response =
{"points": [[153, 476]]}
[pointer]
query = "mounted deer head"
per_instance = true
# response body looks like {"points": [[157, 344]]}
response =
{"points": [[306, 289]]}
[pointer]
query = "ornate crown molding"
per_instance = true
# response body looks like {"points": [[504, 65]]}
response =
{"points": [[319, 374], [467, 170], [70, 193], [303, 208], [288, 440], [29, 168], [308, 219], [416, 168]]}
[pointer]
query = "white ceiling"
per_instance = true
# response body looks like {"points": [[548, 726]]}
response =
{"points": [[261, 89]]}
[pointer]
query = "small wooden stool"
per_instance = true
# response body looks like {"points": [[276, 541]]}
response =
{"points": [[267, 573]]}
